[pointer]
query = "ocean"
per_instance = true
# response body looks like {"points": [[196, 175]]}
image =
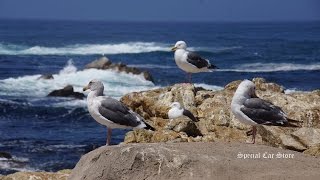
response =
{"points": [[50, 134]]}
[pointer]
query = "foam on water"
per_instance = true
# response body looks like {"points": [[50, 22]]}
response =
{"points": [[273, 67], [116, 84], [84, 49]]}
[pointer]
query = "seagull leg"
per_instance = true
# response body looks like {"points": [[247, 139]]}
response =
{"points": [[254, 132], [190, 78], [109, 136]]}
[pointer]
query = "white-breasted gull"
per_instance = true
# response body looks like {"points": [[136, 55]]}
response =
{"points": [[177, 111], [249, 109], [190, 62], [110, 112]]}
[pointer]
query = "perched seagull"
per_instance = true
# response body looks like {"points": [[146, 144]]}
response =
{"points": [[110, 112], [176, 111], [249, 109], [190, 62]]}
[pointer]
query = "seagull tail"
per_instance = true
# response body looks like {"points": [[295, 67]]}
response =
{"points": [[149, 127], [212, 66], [293, 123]]}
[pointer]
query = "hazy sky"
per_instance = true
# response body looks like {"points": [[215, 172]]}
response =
{"points": [[163, 10]]}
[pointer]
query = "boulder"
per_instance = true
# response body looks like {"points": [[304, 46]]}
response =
{"points": [[67, 92], [105, 63], [101, 63], [60, 175], [5, 155], [46, 76], [195, 160], [216, 121]]}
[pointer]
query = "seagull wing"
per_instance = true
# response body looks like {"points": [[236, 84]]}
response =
{"points": [[196, 60], [189, 115], [118, 113], [264, 112]]}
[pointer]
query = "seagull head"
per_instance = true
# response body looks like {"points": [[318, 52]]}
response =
{"points": [[247, 88], [175, 105], [179, 45], [94, 85]]}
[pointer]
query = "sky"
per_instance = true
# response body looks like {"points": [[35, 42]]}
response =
{"points": [[162, 10]]}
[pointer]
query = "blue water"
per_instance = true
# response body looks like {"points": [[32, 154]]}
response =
{"points": [[52, 133]]}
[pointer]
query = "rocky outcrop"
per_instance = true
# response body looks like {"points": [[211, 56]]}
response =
{"points": [[217, 122], [5, 155], [60, 175], [194, 161], [46, 76], [66, 92], [105, 63]]}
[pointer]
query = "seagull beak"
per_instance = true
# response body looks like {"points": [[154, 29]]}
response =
{"points": [[173, 48], [85, 88]]}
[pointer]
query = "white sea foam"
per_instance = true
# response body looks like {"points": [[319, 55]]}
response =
{"points": [[273, 67], [116, 84], [84, 49]]}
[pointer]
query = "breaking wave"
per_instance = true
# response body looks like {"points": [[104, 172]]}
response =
{"points": [[273, 67]]}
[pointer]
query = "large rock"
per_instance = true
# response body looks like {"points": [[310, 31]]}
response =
{"points": [[67, 92], [60, 175], [217, 122], [105, 63], [194, 161]]}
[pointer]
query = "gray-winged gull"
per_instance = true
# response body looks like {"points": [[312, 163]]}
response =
{"points": [[249, 109], [190, 62], [110, 112], [177, 111]]}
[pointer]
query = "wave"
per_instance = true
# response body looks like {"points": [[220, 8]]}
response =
{"points": [[84, 49], [273, 67], [97, 49], [116, 84]]}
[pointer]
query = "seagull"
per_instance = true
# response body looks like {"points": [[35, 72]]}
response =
{"points": [[190, 62], [110, 112], [249, 109], [176, 111]]}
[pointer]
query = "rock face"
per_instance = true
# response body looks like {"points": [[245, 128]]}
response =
{"points": [[67, 92], [105, 63], [217, 122], [194, 161], [60, 175], [46, 76]]}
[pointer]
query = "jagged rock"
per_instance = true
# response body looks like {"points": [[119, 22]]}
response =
{"points": [[307, 136], [60, 175], [5, 155], [183, 124], [101, 63], [105, 63], [212, 160], [212, 108], [46, 76], [67, 92], [313, 151]]}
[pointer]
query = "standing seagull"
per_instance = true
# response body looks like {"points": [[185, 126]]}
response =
{"points": [[110, 112], [249, 109], [176, 111], [190, 62]]}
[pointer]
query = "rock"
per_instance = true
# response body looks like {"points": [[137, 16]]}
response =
{"points": [[212, 160], [184, 124], [67, 92], [105, 63], [217, 122], [60, 175], [313, 151], [101, 63], [5, 155], [46, 76], [307, 136]]}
